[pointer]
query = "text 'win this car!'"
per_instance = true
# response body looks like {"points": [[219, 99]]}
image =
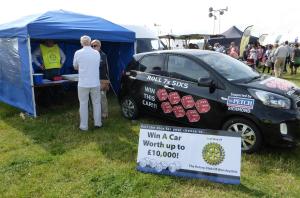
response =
{"points": [[208, 89]]}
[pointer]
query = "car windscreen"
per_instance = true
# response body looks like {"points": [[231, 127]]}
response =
{"points": [[232, 69]]}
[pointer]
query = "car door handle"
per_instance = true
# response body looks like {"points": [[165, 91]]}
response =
{"points": [[131, 77], [169, 87]]}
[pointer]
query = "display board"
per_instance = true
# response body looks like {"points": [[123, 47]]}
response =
{"points": [[190, 152]]}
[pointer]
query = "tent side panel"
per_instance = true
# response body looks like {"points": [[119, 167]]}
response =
{"points": [[119, 55], [126, 54], [15, 76]]}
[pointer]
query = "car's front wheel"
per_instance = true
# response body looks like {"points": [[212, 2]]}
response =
{"points": [[250, 134], [129, 108]]}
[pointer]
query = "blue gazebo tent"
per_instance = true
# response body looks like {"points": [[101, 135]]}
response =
{"points": [[18, 39]]}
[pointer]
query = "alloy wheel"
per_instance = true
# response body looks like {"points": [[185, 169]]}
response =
{"points": [[247, 134], [128, 108]]}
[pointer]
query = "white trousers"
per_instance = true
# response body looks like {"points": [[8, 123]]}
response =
{"points": [[83, 96], [278, 67]]}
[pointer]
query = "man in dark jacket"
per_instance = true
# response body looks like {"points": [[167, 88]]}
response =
{"points": [[96, 44]]}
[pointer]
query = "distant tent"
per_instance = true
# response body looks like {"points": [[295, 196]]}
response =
{"points": [[233, 34], [18, 39]]}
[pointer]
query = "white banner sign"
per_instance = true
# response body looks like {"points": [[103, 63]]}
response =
{"points": [[189, 152]]}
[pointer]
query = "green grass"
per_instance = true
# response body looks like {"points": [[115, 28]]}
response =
{"points": [[50, 157], [288, 76]]}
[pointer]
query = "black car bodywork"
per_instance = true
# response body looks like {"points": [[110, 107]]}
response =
{"points": [[197, 88]]}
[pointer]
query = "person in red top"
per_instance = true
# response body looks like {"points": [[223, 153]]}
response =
{"points": [[233, 51], [260, 53]]}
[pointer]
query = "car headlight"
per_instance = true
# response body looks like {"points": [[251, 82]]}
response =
{"points": [[271, 99]]}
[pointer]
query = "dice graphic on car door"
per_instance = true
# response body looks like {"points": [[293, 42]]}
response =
{"points": [[191, 103]]}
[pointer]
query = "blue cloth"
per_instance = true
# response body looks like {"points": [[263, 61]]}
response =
{"points": [[65, 28], [66, 25], [15, 77]]}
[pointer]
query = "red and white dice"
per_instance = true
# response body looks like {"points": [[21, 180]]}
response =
{"points": [[178, 111], [193, 115], [162, 94], [166, 107], [202, 106], [174, 98], [187, 102]]}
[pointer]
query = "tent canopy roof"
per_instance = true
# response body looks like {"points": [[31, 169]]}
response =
{"points": [[142, 31], [233, 32], [190, 36], [66, 25]]}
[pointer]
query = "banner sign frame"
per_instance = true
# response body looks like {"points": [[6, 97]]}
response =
{"points": [[245, 39], [213, 155]]}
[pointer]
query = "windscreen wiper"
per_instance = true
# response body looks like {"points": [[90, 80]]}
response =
{"points": [[254, 78]]}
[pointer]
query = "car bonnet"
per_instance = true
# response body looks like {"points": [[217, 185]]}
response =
{"points": [[275, 85]]}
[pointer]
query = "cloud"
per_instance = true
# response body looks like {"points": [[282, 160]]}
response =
{"points": [[188, 16]]}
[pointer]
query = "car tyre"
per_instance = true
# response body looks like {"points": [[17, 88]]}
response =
{"points": [[129, 108], [250, 135]]}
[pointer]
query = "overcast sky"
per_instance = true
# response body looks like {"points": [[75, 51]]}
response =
{"points": [[185, 16]]}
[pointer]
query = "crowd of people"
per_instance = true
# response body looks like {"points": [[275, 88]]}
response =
{"points": [[273, 59]]}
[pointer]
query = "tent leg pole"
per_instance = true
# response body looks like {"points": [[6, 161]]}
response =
{"points": [[31, 77]]}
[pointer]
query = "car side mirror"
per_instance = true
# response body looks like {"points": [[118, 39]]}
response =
{"points": [[156, 69], [205, 82]]}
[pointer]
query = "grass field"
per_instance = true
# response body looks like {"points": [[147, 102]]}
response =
{"points": [[50, 157]]}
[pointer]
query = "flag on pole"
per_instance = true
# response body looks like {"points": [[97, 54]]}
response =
{"points": [[278, 38], [245, 39], [262, 39]]}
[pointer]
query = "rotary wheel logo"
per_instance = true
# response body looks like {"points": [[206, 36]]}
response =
{"points": [[213, 154]]}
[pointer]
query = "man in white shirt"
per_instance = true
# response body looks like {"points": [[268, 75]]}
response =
{"points": [[281, 53], [87, 61]]}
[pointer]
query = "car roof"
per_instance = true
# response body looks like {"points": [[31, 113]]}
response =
{"points": [[194, 52]]}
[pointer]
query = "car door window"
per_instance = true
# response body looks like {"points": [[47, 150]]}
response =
{"points": [[153, 64], [185, 69]]}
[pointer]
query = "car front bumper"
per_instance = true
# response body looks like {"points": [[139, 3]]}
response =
{"points": [[282, 130]]}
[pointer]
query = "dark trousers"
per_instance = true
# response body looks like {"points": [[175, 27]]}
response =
{"points": [[264, 68], [287, 60], [294, 67]]}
